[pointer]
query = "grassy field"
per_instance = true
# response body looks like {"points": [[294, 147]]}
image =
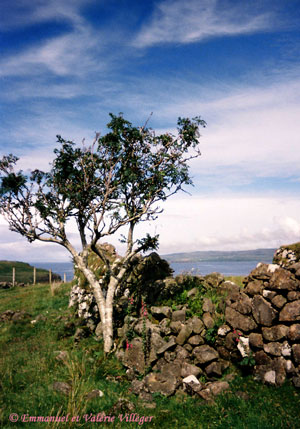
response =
{"points": [[28, 368], [24, 272]]}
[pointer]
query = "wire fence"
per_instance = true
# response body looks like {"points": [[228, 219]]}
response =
{"points": [[31, 277]]}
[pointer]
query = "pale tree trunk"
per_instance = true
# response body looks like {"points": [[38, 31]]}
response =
{"points": [[105, 304]]}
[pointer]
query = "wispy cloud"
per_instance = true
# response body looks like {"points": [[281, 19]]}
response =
{"points": [[226, 223], [27, 12], [75, 52], [195, 20], [71, 54]]}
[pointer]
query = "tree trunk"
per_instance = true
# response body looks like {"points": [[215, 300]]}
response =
{"points": [[105, 304]]}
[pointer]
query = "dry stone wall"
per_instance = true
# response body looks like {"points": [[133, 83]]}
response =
{"points": [[256, 327]]}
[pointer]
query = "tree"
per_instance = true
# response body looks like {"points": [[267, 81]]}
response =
{"points": [[116, 183]]}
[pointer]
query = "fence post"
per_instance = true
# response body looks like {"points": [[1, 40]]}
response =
{"points": [[14, 276], [50, 277], [65, 278], [34, 275]]}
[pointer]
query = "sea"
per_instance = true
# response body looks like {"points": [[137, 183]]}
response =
{"points": [[227, 263]]}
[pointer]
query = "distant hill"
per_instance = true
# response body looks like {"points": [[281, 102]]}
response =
{"points": [[211, 255], [24, 273]]}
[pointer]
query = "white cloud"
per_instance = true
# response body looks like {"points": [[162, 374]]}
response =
{"points": [[27, 12], [190, 224], [253, 130], [70, 54], [194, 20], [227, 223]]}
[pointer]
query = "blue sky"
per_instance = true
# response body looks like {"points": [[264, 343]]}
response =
{"points": [[65, 65]]}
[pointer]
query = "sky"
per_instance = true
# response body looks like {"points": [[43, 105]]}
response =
{"points": [[65, 65]]}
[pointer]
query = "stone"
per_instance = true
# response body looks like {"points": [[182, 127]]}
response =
{"points": [[230, 341], [295, 268], [183, 335], [290, 312], [208, 320], [296, 381], [261, 358], [286, 349], [261, 272], [164, 327], [188, 347], [134, 356], [239, 321], [204, 354], [293, 296], [214, 369], [81, 333], [191, 385], [157, 341], [96, 393], [243, 305], [270, 377], [218, 387], [294, 332], [268, 294], [263, 312], [208, 306], [278, 301], [224, 353], [62, 387], [140, 325], [122, 406], [5, 285], [242, 395], [223, 330], [176, 327], [179, 316], [192, 292], [20, 316], [164, 384], [296, 353], [289, 367], [137, 386], [6, 315], [255, 340], [196, 340], [255, 287], [167, 346], [189, 369], [273, 349], [282, 280], [191, 379], [243, 346], [161, 312], [196, 324], [181, 353], [206, 394], [279, 367], [214, 279], [228, 287], [275, 333], [172, 369]]}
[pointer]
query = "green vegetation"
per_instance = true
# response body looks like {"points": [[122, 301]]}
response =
{"points": [[238, 280], [28, 368], [24, 273], [239, 255], [295, 248]]}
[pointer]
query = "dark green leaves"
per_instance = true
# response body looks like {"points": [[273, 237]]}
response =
{"points": [[117, 181]]}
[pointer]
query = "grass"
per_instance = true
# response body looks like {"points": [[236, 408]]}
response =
{"points": [[28, 368], [238, 280], [24, 272]]}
